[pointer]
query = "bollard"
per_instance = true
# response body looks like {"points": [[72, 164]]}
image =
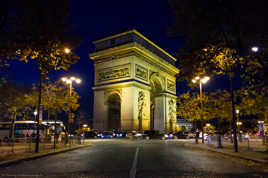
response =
{"points": [[248, 144]]}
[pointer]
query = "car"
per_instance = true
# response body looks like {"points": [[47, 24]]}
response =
{"points": [[168, 136], [181, 135], [153, 134], [90, 134], [106, 134]]}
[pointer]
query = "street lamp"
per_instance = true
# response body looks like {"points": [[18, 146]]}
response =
{"points": [[69, 81], [202, 80], [255, 49], [35, 114], [67, 50]]}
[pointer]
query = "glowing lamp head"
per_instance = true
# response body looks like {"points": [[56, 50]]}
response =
{"points": [[255, 49], [84, 125], [194, 81], [197, 78], [35, 113], [64, 79], [205, 79], [67, 50], [237, 111], [72, 78], [78, 81]]}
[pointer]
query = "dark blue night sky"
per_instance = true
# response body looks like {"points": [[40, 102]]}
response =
{"points": [[96, 19]]}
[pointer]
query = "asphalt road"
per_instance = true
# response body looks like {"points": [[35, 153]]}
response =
{"points": [[132, 158]]}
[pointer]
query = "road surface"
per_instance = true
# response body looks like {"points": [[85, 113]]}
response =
{"points": [[130, 159]]}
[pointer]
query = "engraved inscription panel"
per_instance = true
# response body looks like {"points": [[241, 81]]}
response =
{"points": [[141, 72], [113, 73], [171, 86]]}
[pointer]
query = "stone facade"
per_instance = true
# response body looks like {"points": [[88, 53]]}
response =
{"points": [[142, 75]]}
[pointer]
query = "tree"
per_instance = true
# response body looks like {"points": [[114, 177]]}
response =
{"points": [[189, 108], [11, 100], [254, 102], [219, 33], [37, 30], [55, 99]]}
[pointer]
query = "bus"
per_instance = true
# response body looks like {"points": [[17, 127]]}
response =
{"points": [[24, 129]]}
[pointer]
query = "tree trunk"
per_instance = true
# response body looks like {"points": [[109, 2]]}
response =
{"points": [[233, 114]]}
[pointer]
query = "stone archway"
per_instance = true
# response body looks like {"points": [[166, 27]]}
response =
{"points": [[114, 112], [156, 90]]}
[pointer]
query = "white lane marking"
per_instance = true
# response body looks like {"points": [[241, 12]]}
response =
{"points": [[132, 173]]}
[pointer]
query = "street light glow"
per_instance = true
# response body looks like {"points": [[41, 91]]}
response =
{"points": [[194, 81], [78, 80], [35, 113], [63, 79], [67, 50], [72, 78], [237, 111], [68, 81], [255, 49], [239, 123], [197, 78]]}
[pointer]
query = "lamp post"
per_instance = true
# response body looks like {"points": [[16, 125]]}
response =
{"points": [[201, 81], [69, 81], [35, 114], [238, 123]]}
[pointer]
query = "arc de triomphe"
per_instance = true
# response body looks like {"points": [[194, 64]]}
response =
{"points": [[135, 84]]}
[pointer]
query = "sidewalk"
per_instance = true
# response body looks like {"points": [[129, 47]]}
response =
{"points": [[254, 155], [25, 151]]}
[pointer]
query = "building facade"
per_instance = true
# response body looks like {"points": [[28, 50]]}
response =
{"points": [[135, 84]]}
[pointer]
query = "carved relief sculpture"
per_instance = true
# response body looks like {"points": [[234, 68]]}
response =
{"points": [[114, 73], [141, 105], [171, 113], [141, 72]]}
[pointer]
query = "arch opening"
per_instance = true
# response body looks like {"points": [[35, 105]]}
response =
{"points": [[114, 112], [156, 89]]}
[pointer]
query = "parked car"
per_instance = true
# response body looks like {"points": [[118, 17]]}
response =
{"points": [[106, 134], [152, 134], [181, 135], [90, 134]]}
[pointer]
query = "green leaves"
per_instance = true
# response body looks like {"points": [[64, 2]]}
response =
{"points": [[55, 98]]}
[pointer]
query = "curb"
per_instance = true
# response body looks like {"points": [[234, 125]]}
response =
{"points": [[39, 155], [228, 154]]}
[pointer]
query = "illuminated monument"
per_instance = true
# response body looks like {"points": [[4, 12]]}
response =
{"points": [[135, 84]]}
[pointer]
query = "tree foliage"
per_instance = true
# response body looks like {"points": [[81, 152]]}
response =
{"points": [[16, 100], [55, 98], [229, 28], [189, 108], [11, 100], [37, 30]]}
